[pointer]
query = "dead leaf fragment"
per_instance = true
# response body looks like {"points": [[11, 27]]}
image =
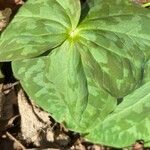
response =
{"points": [[35, 124]]}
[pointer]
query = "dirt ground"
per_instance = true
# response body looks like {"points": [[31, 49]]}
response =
{"points": [[25, 126]]}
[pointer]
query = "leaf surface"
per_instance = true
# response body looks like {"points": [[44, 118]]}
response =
{"points": [[129, 122], [38, 26], [116, 39], [103, 59], [59, 82]]}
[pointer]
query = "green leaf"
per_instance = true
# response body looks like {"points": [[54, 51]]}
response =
{"points": [[121, 18], [59, 82], [117, 42], [101, 60], [38, 26], [129, 122]]}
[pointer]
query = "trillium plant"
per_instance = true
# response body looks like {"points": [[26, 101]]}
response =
{"points": [[87, 65]]}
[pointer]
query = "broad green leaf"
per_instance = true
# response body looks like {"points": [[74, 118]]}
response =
{"points": [[115, 73], [129, 122], [59, 84], [62, 87], [122, 19], [117, 42], [103, 59], [38, 26]]}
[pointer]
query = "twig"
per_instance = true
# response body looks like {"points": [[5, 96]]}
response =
{"points": [[10, 86], [15, 140]]}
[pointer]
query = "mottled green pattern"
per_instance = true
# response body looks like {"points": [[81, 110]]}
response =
{"points": [[59, 82], [130, 121], [56, 82], [105, 58], [116, 72], [39, 26], [126, 21], [117, 37]]}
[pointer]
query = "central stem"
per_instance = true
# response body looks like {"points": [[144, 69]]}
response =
{"points": [[74, 33]]}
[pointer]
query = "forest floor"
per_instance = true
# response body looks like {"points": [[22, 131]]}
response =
{"points": [[25, 126]]}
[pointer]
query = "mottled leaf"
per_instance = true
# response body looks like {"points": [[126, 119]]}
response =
{"points": [[38, 26], [61, 87], [103, 60], [129, 122], [117, 40]]}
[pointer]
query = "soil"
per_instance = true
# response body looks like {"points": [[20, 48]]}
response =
{"points": [[23, 125]]}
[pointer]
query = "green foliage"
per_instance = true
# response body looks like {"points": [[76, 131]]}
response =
{"points": [[82, 60]]}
